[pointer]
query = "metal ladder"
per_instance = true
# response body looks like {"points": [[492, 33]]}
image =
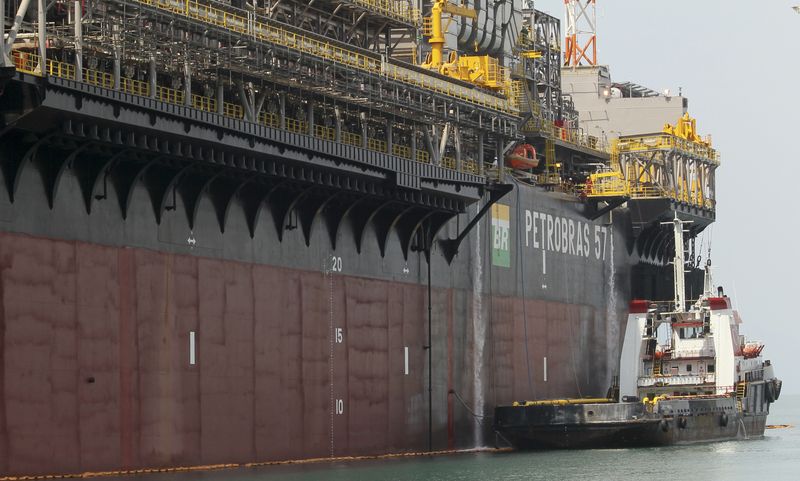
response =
{"points": [[741, 392]]}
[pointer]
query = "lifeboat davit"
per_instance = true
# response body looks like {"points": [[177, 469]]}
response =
{"points": [[523, 157]]}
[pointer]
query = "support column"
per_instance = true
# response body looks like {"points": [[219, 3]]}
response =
{"points": [[338, 127], [480, 160], [282, 111], [220, 97], [363, 117], [310, 117], [389, 139], [116, 75], [42, 39], [431, 145], [413, 143], [457, 148], [4, 60], [187, 84], [443, 143], [258, 104], [501, 161], [247, 103], [153, 79], [12, 34], [78, 43]]}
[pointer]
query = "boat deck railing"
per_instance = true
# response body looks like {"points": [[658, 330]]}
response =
{"points": [[677, 380]]}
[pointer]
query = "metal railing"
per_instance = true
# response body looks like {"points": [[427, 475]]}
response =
{"points": [[391, 8], [377, 145], [401, 151], [352, 139], [232, 110], [572, 136], [168, 95], [471, 167], [677, 379], [665, 141], [449, 162], [296, 126], [96, 77], [322, 132], [135, 87], [205, 104], [29, 63]]}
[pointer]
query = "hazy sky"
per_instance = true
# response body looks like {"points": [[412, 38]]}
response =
{"points": [[738, 63]]}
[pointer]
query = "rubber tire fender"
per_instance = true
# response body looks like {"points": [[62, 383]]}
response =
{"points": [[682, 422], [723, 420], [664, 425]]}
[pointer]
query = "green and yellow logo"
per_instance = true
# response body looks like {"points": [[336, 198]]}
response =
{"points": [[501, 233]]}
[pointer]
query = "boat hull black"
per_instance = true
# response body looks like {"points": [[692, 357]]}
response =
{"points": [[616, 425]]}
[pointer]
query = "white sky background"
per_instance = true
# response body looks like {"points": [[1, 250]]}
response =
{"points": [[737, 62]]}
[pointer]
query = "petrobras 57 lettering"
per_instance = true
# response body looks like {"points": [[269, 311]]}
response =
{"points": [[568, 236]]}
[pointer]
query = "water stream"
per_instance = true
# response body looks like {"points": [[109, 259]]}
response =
{"points": [[612, 324], [478, 332]]}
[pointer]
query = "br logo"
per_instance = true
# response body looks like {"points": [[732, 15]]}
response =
{"points": [[501, 233]]}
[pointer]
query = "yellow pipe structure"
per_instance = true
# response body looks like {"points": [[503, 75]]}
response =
{"points": [[437, 35], [562, 402], [437, 31]]}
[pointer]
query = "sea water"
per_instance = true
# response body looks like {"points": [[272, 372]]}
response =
{"points": [[774, 457]]}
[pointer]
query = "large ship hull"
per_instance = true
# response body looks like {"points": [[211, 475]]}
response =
{"points": [[131, 344]]}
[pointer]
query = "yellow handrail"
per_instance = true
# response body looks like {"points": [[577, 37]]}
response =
{"points": [[170, 96], [377, 145], [206, 104], [96, 77], [401, 151], [135, 87], [665, 142], [322, 132], [232, 110], [391, 8], [296, 126], [352, 139]]}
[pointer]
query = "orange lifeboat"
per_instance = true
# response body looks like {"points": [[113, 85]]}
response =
{"points": [[752, 350], [523, 157]]}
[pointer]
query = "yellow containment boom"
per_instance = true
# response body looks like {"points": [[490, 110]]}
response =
{"points": [[562, 402]]}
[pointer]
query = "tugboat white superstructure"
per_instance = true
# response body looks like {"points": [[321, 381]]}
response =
{"points": [[686, 375]]}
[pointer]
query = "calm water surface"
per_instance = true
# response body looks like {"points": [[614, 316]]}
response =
{"points": [[776, 457]]}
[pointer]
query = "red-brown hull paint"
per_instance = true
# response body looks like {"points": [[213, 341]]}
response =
{"points": [[94, 359]]}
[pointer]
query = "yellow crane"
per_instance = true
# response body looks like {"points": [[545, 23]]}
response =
{"points": [[435, 22], [481, 70]]}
